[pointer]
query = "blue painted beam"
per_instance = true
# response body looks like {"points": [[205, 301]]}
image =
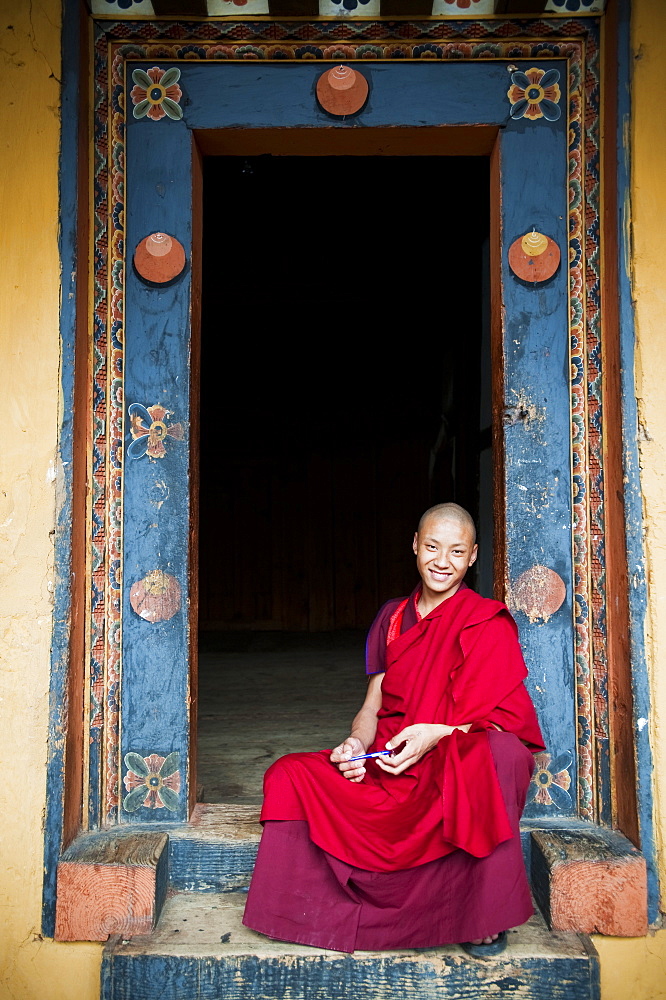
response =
{"points": [[155, 698], [537, 432], [257, 95]]}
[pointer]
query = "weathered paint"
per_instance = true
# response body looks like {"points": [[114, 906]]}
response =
{"points": [[592, 881], [628, 162], [35, 406], [633, 969], [158, 187], [201, 951], [537, 442], [29, 293], [648, 198]]}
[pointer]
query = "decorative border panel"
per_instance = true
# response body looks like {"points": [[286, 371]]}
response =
{"points": [[495, 39]]}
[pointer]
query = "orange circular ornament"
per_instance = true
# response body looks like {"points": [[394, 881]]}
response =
{"points": [[159, 258], [539, 592], [534, 257], [157, 597], [342, 91]]}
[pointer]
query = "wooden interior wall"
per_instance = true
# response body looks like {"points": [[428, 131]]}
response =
{"points": [[345, 353]]}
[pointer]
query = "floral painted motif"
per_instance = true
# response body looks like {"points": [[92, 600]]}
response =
{"points": [[551, 781], [535, 94], [150, 430], [157, 93], [153, 782]]}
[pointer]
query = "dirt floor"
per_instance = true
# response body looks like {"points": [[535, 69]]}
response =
{"points": [[264, 694]]}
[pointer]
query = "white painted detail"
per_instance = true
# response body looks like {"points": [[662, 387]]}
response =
{"points": [[642, 723]]}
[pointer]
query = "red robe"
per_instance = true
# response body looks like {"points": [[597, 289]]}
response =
{"points": [[460, 664]]}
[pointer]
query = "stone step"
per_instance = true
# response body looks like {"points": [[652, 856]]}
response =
{"points": [[201, 951]]}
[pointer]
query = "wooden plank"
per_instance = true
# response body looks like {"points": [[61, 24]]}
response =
{"points": [[619, 697], [120, 846], [75, 758], [595, 881], [201, 950], [442, 140], [195, 476], [156, 505], [111, 883], [537, 431]]}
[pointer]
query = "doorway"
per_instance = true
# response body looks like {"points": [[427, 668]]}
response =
{"points": [[345, 387]]}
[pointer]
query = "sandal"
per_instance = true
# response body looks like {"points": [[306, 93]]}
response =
{"points": [[485, 950]]}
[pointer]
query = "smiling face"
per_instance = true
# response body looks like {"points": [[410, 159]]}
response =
{"points": [[444, 549]]}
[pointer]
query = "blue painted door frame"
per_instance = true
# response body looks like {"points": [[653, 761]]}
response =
{"points": [[156, 724]]}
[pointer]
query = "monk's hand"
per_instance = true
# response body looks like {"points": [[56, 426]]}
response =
{"points": [[351, 747], [417, 740]]}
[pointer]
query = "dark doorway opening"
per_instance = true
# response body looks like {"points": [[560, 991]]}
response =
{"points": [[345, 387]]}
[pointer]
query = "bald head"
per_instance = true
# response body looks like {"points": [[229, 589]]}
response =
{"points": [[449, 512]]}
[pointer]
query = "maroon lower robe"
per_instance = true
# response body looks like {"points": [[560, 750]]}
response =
{"points": [[428, 857]]}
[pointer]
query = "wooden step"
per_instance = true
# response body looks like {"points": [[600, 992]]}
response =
{"points": [[216, 850], [201, 951]]}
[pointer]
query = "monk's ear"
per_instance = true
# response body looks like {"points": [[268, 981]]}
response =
{"points": [[415, 543], [474, 554]]}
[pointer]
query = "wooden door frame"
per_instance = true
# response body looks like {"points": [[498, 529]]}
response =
{"points": [[535, 424], [111, 40]]}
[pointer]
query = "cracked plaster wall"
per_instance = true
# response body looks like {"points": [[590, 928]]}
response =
{"points": [[30, 969]]}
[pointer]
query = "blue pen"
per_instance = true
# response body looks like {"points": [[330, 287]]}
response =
{"points": [[377, 753]]}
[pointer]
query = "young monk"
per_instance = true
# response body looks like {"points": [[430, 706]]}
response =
{"points": [[418, 847]]}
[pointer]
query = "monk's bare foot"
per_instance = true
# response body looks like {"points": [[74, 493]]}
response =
{"points": [[485, 940]]}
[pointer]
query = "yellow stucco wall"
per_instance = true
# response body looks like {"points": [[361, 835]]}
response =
{"points": [[649, 273], [636, 969], [33, 969], [30, 969]]}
